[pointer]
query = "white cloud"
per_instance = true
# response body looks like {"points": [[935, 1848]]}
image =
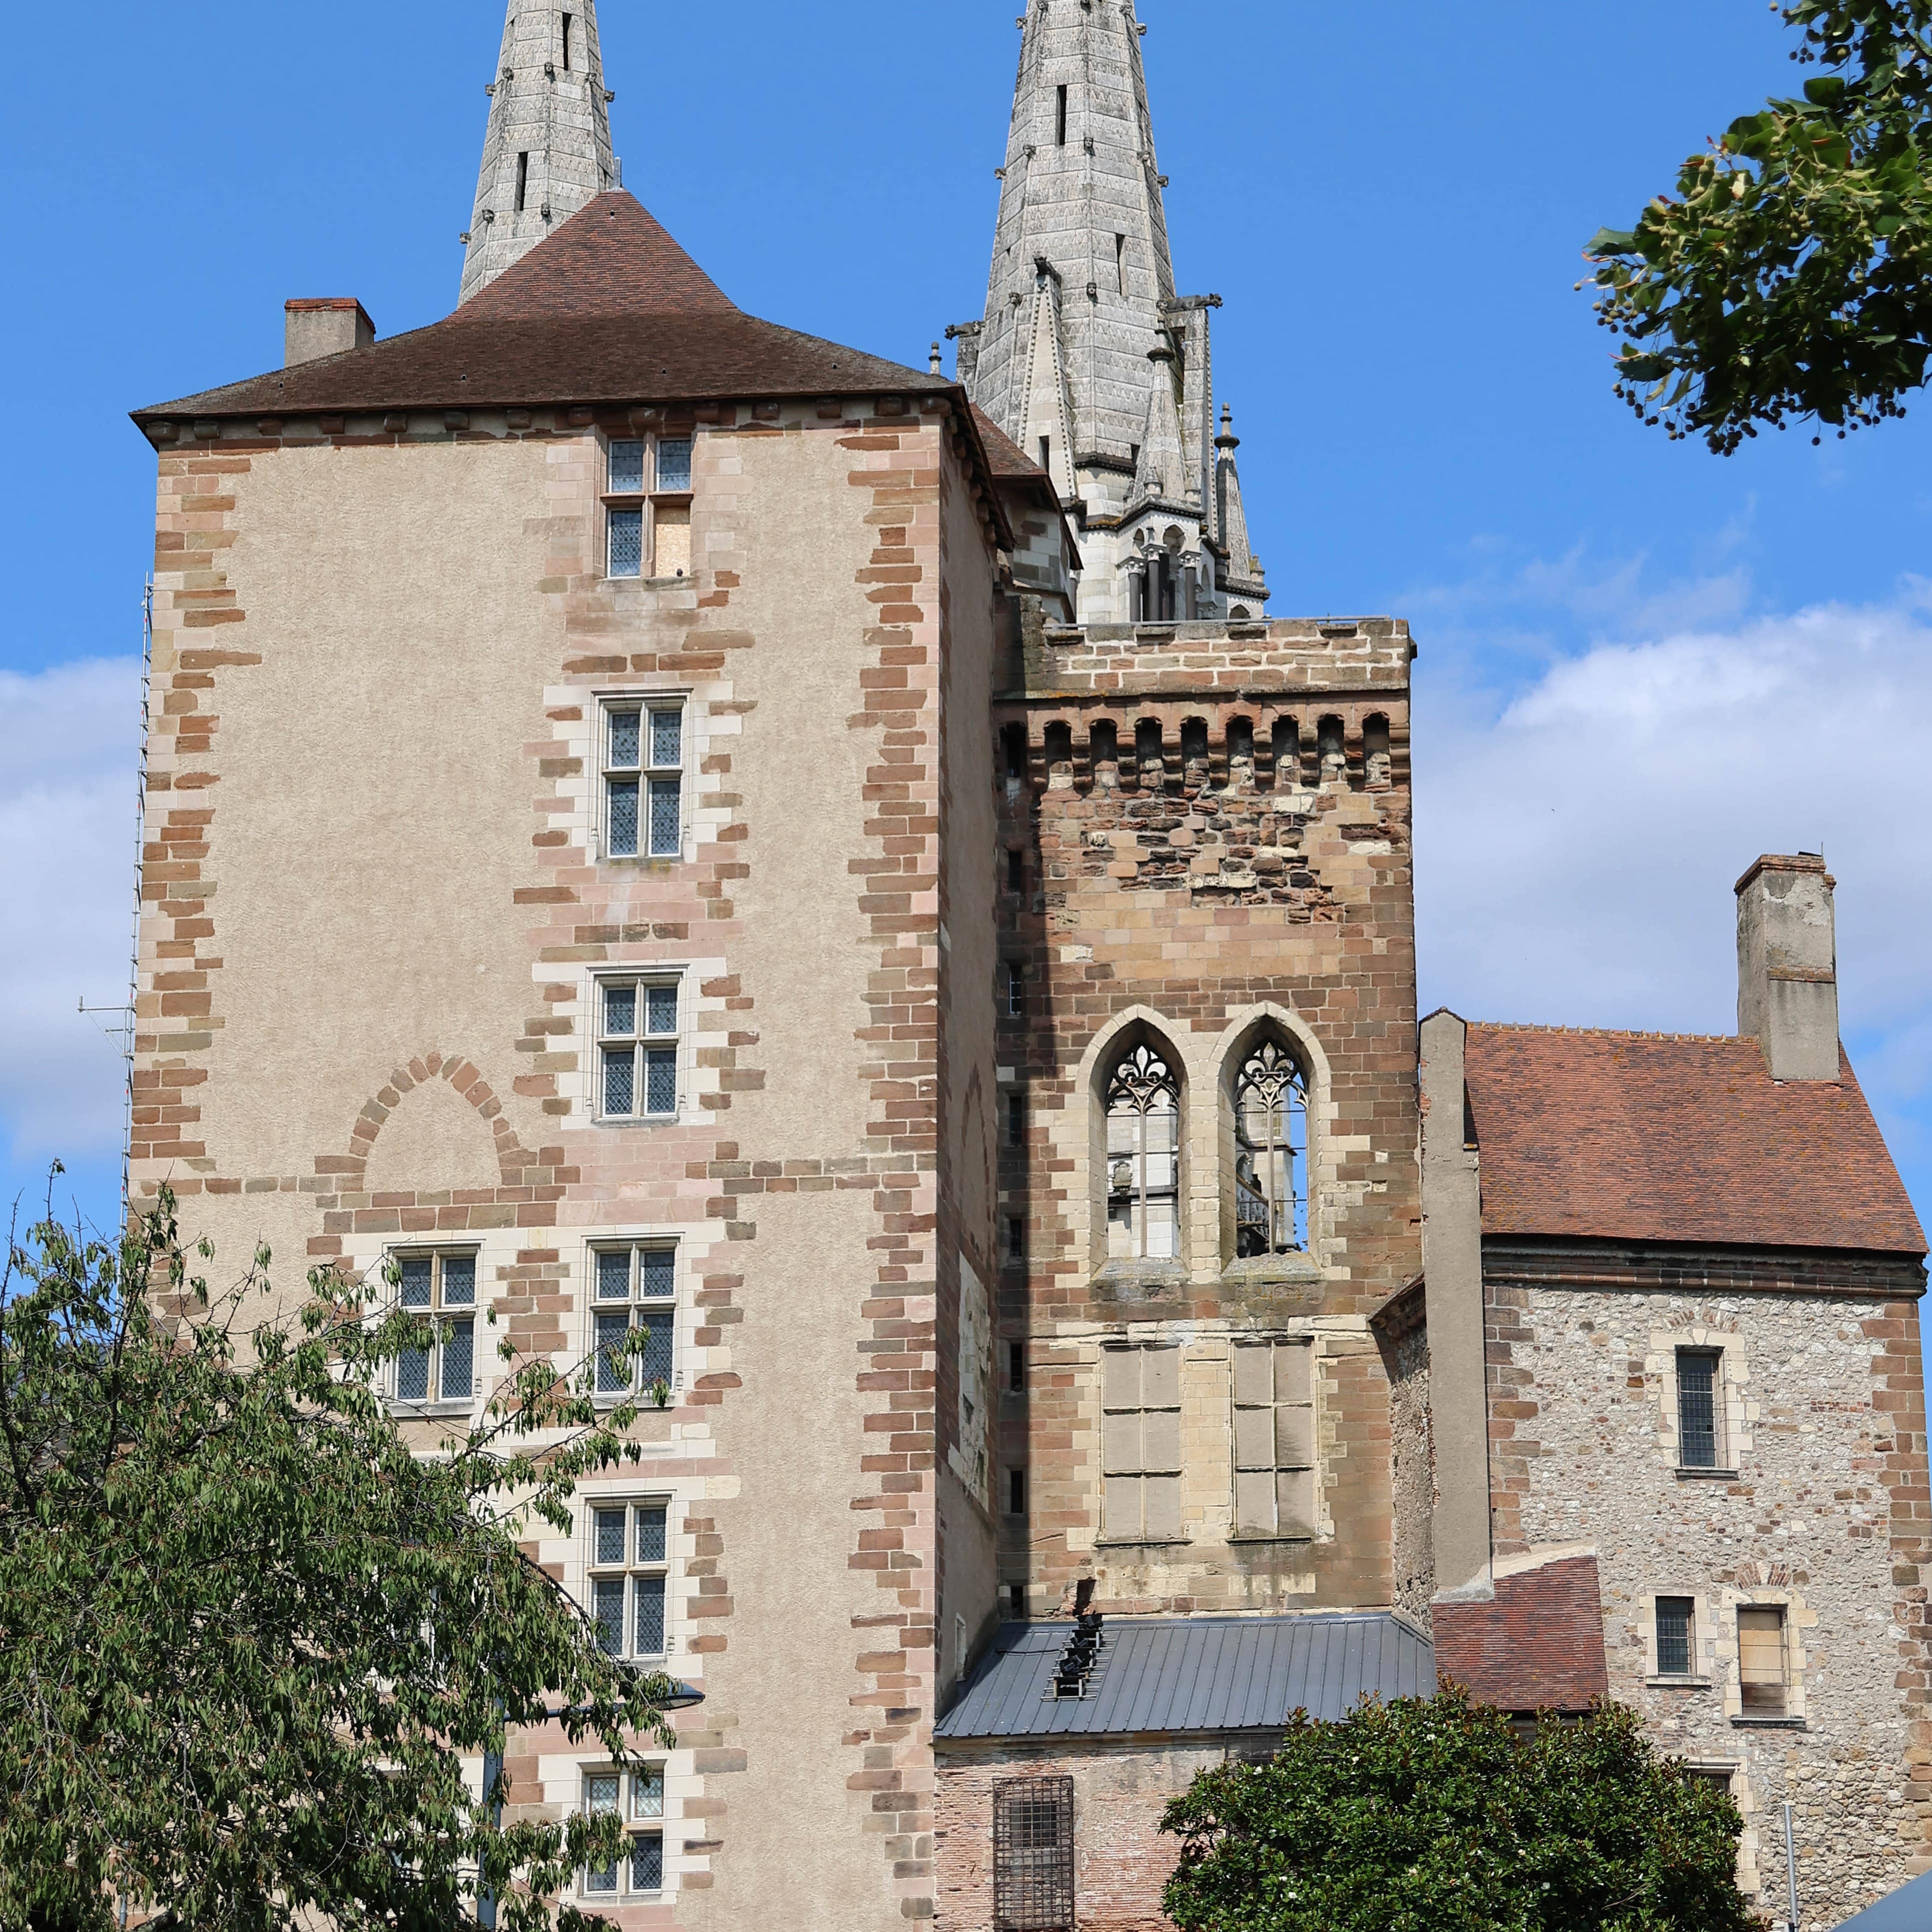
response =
{"points": [[69, 747], [1577, 842]]}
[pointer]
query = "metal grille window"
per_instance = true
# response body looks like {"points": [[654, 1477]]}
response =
{"points": [[1697, 1416], [630, 1572], [636, 1292], [1271, 1154], [636, 1047], [639, 1796], [440, 1288], [1761, 1674], [1143, 1159], [643, 781], [1676, 1617], [1033, 1855], [1274, 1439], [1140, 1444]]}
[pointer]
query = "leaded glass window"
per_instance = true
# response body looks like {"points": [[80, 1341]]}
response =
{"points": [[627, 540], [635, 1292], [625, 522], [638, 1049], [630, 1570], [674, 464], [1270, 1153], [638, 1797], [440, 1290], [643, 781], [1143, 1159]]}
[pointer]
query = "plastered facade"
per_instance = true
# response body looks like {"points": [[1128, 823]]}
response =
{"points": [[1821, 1512], [377, 905]]}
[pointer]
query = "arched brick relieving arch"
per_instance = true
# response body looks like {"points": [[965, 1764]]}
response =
{"points": [[530, 1183]]}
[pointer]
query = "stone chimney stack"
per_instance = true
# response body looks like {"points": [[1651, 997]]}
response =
{"points": [[1788, 966], [326, 327]]}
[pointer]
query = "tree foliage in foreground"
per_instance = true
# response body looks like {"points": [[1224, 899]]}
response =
{"points": [[1791, 276], [247, 1637], [1437, 1817]]}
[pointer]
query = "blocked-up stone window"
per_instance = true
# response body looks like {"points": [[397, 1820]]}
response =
{"points": [[1274, 1439], [1763, 1670], [1033, 1855], [1140, 1444]]}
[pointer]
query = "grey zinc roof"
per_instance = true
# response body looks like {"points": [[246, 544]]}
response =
{"points": [[1907, 1911], [1168, 1675]]}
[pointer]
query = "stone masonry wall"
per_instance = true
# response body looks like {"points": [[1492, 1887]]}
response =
{"points": [[1213, 825], [1826, 1515]]}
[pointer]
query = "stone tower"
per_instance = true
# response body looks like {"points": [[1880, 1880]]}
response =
{"points": [[547, 149], [1086, 357]]}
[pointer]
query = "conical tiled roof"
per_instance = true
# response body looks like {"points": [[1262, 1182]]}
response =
{"points": [[610, 309]]}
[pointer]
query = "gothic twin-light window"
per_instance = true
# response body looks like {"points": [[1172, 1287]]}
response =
{"points": [[1270, 1155], [1143, 1159]]}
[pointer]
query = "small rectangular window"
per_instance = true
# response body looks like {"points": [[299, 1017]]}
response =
{"points": [[1060, 129], [1120, 273], [1016, 1599], [630, 1575], [1016, 1367], [635, 1290], [643, 781], [1761, 1674], [523, 181], [1140, 1444], [627, 467], [1016, 1005], [1697, 1409], [568, 24], [1274, 1439], [1016, 1492], [1033, 1855], [1676, 1616], [440, 1289], [637, 1049], [1046, 454], [1016, 1238], [639, 1872], [1016, 1120], [673, 464], [1015, 871]]}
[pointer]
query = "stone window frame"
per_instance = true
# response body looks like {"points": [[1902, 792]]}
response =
{"points": [[641, 1822], [608, 700], [650, 501], [652, 973], [1798, 1618], [405, 1408], [1737, 1773], [1739, 1413], [630, 1499], [1705, 1654], [610, 1240], [1270, 1032]]}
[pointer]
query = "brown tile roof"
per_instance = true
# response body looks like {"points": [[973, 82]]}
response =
{"points": [[1538, 1646], [608, 310], [1650, 1137]]}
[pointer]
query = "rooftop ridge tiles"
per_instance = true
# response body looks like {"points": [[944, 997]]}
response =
{"points": [[1611, 1033]]}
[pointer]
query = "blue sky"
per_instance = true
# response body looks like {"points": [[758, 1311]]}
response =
{"points": [[1641, 664]]}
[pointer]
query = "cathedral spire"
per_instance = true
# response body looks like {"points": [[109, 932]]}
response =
{"points": [[547, 149], [1085, 354]]}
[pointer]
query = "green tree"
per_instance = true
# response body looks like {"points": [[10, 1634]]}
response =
{"points": [[1791, 276], [1437, 1817], [247, 1637]]}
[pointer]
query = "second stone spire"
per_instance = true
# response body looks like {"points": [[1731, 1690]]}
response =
{"points": [[547, 150]]}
